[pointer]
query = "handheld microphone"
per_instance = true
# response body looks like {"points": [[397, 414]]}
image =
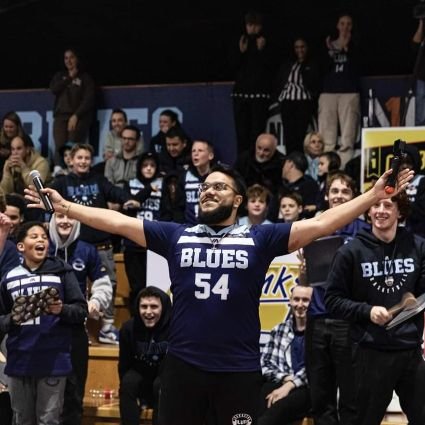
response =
{"points": [[36, 179], [398, 151], [392, 179]]}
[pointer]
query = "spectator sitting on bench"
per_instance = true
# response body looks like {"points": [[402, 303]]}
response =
{"points": [[143, 345], [285, 395]]}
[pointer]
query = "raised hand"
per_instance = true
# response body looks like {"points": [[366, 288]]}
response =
{"points": [[403, 180], [72, 122]]}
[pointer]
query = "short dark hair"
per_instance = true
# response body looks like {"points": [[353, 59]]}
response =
{"points": [[16, 200], [170, 114], [22, 231], [334, 160], [83, 146], [254, 17], [132, 128], [119, 111], [176, 132], [240, 185], [344, 177], [299, 160], [149, 291], [295, 196]]}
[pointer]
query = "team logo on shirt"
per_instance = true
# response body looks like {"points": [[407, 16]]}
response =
{"points": [[389, 275], [214, 258], [78, 264], [241, 419]]}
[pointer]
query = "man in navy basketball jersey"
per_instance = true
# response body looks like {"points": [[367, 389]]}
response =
{"points": [[217, 271]]}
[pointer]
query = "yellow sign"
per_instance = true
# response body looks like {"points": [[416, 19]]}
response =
{"points": [[280, 278], [377, 149]]}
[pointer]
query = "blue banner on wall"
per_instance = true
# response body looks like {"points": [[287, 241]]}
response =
{"points": [[205, 111]]}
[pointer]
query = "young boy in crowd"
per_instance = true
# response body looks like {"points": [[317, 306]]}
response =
{"points": [[88, 188], [290, 207], [258, 201], [147, 187], [38, 345]]}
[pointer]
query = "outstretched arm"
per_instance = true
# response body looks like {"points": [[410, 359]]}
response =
{"points": [[98, 218], [305, 231]]}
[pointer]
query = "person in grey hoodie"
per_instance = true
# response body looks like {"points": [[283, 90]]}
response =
{"points": [[85, 261]]}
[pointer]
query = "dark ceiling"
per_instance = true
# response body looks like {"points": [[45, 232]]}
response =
{"points": [[140, 42]]}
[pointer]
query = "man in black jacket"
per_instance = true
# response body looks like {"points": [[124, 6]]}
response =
{"points": [[143, 345], [262, 164], [368, 276]]}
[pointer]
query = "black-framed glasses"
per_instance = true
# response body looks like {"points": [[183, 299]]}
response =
{"points": [[217, 186]]}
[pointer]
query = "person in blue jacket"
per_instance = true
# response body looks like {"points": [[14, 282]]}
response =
{"points": [[38, 345]]}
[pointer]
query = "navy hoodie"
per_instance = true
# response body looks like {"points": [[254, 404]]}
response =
{"points": [[41, 347], [91, 190], [357, 283], [141, 348]]}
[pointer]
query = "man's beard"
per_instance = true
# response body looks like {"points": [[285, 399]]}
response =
{"points": [[261, 160], [216, 216]]}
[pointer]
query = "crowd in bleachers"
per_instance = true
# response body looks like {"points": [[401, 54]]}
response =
{"points": [[159, 179]]}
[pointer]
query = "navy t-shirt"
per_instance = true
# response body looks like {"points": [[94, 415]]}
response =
{"points": [[297, 351], [215, 323]]}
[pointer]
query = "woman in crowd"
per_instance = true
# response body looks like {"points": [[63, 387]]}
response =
{"points": [[74, 103], [23, 159], [313, 148], [10, 128], [339, 102]]}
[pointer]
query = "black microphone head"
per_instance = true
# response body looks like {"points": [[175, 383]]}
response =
{"points": [[34, 174]]}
